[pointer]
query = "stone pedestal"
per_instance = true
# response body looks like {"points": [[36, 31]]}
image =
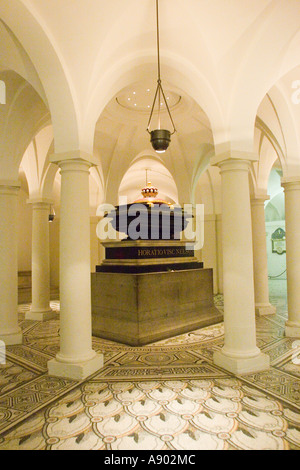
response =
{"points": [[137, 309]]}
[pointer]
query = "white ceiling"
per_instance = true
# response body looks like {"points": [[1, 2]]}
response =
{"points": [[223, 62]]}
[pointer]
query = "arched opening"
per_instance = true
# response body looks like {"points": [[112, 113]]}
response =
{"points": [[275, 235], [146, 170]]}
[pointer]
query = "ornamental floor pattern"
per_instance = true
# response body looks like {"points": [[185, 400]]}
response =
{"points": [[165, 396]]}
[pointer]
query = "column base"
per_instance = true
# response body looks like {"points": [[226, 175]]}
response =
{"points": [[240, 366], [78, 371], [265, 309], [12, 338], [292, 329], [40, 315]]}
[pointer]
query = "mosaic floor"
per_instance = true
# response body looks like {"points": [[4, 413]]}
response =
{"points": [[166, 396]]}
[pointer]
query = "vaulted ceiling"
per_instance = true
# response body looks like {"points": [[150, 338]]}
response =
{"points": [[90, 69]]}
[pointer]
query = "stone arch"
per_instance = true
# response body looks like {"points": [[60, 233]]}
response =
{"points": [[201, 167], [134, 179], [278, 121], [45, 56], [21, 118], [262, 64], [131, 69]]}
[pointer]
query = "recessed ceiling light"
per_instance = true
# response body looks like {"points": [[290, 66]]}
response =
{"points": [[133, 92]]}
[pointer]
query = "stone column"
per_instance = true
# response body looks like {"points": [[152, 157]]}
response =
{"points": [[76, 358], [292, 229], [10, 332], [40, 273], [260, 261], [240, 353]]}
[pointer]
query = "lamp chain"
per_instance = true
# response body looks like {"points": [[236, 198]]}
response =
{"points": [[159, 89], [158, 51]]}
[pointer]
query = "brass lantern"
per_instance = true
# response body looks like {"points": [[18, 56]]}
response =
{"points": [[160, 138]]}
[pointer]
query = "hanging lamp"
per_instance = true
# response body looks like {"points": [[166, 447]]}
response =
{"points": [[160, 138], [52, 214]]}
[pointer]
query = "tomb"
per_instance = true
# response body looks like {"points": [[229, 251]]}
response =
{"points": [[150, 287]]}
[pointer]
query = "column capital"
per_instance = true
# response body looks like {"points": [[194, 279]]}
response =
{"points": [[234, 164], [232, 155], [75, 165], [259, 199], [290, 183], [9, 186], [40, 202], [73, 155]]}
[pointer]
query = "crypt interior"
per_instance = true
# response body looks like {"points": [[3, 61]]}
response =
{"points": [[77, 83]]}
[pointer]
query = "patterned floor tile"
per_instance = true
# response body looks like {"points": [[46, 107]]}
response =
{"points": [[20, 403], [203, 369], [12, 375], [29, 357], [281, 350], [291, 368], [216, 413], [280, 384], [165, 396]]}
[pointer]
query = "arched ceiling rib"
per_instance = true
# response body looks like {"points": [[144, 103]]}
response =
{"points": [[220, 60]]}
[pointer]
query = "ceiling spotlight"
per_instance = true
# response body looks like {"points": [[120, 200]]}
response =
{"points": [[160, 138]]}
